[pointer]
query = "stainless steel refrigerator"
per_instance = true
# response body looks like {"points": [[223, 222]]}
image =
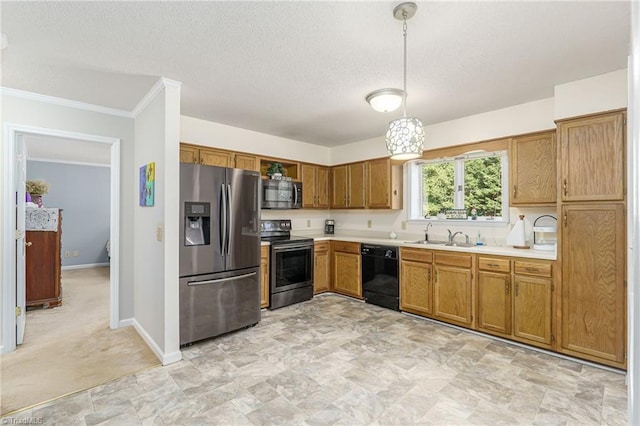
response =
{"points": [[219, 250]]}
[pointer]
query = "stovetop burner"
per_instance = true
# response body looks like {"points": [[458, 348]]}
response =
{"points": [[279, 231]]}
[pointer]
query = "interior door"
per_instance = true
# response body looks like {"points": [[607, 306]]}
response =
{"points": [[20, 183]]}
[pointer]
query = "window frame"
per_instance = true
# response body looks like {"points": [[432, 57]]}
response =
{"points": [[415, 201]]}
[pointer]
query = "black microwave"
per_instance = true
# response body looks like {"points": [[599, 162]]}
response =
{"points": [[281, 194]]}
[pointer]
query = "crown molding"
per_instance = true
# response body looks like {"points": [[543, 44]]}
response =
{"points": [[32, 96], [157, 88]]}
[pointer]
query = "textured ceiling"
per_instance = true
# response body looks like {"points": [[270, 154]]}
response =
{"points": [[301, 70]]}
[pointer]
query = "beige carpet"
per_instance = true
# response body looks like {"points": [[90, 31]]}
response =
{"points": [[71, 348]]}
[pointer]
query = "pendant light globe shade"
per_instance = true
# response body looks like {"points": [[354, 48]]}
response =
{"points": [[385, 100], [405, 138]]}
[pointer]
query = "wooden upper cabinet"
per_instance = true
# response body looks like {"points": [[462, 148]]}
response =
{"points": [[214, 157], [533, 169], [384, 184], [592, 157], [315, 188], [189, 154], [357, 176], [593, 291], [348, 186], [246, 162]]}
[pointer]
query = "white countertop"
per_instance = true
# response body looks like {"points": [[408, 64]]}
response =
{"points": [[376, 238]]}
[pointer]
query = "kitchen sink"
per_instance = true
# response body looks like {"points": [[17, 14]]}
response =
{"points": [[460, 244], [427, 243]]}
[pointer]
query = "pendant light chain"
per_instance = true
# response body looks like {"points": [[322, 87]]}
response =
{"points": [[404, 32]]}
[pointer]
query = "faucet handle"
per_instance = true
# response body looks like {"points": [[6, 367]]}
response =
{"points": [[466, 237]]}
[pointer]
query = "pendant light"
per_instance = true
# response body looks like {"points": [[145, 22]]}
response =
{"points": [[405, 137]]}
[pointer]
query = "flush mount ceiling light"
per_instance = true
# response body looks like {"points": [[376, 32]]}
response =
{"points": [[385, 100], [405, 137]]}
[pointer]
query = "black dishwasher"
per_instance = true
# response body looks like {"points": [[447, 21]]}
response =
{"points": [[380, 275]]}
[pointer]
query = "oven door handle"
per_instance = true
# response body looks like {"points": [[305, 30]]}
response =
{"points": [[291, 248], [221, 280]]}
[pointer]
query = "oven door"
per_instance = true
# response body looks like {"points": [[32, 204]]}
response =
{"points": [[291, 266]]}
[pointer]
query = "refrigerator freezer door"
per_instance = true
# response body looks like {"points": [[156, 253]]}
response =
{"points": [[201, 184], [243, 243], [215, 304]]}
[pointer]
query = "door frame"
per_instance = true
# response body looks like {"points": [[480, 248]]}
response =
{"points": [[8, 290]]}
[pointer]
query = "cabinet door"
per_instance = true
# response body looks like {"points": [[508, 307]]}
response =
{"points": [[322, 187], [308, 186], [593, 273], [346, 274], [189, 154], [532, 309], [321, 271], [42, 268], [453, 295], [533, 169], [264, 272], [339, 187], [416, 289], [592, 158], [246, 162], [212, 157], [494, 302], [379, 184], [357, 177]]}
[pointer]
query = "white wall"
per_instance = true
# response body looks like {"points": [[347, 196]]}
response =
{"points": [[600, 93], [155, 231], [35, 113], [207, 133]]}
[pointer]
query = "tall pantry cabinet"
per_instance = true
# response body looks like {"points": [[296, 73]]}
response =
{"points": [[591, 213]]}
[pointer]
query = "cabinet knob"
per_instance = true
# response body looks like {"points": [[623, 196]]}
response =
{"points": [[28, 243]]}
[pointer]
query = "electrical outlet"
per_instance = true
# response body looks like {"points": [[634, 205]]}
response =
{"points": [[404, 225], [67, 253], [308, 223], [369, 223], [75, 253], [159, 233]]}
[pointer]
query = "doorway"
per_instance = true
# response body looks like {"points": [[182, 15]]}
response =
{"points": [[13, 281]]}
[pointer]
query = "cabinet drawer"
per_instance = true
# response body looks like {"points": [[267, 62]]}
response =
{"points": [[461, 260], [346, 247], [493, 264], [417, 255], [321, 246], [532, 268]]}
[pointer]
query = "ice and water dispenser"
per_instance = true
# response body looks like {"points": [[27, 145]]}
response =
{"points": [[197, 224]]}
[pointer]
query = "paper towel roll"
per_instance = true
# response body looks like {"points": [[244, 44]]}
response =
{"points": [[517, 237]]}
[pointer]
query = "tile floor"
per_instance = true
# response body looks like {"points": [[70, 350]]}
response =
{"points": [[338, 361]]}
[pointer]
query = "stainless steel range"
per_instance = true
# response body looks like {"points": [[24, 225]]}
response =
{"points": [[291, 266]]}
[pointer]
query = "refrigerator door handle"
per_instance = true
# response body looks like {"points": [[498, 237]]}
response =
{"points": [[223, 219], [221, 280], [229, 219], [295, 194]]}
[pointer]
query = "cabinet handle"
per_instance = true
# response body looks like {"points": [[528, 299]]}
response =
{"points": [[515, 189], [564, 219], [516, 289], [493, 265], [428, 275], [506, 286], [531, 269], [436, 276], [564, 186], [28, 243]]}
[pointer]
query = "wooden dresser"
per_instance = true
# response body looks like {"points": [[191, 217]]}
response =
{"points": [[43, 262]]}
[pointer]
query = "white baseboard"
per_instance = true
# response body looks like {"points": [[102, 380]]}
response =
{"points": [[164, 358], [85, 266], [125, 323]]}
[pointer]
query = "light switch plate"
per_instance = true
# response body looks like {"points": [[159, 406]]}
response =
{"points": [[308, 223], [369, 223], [159, 232]]}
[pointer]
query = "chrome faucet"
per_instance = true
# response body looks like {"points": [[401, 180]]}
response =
{"points": [[426, 231], [452, 236]]}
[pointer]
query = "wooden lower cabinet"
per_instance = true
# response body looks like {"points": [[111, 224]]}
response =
{"points": [[532, 310], [264, 276], [416, 285], [321, 267], [494, 303], [347, 277], [453, 291], [42, 267], [593, 311]]}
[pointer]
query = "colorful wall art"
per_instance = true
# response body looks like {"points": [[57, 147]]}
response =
{"points": [[147, 183]]}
